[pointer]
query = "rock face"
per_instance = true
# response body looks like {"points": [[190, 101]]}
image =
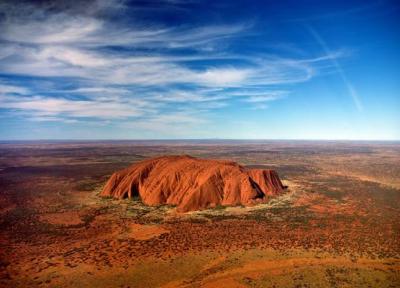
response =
{"points": [[193, 184]]}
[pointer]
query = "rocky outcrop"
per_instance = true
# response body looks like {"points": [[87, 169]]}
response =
{"points": [[193, 184]]}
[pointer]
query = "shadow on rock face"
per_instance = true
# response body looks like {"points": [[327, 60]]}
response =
{"points": [[193, 184]]}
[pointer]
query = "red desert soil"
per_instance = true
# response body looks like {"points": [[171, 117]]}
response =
{"points": [[146, 232], [62, 218], [193, 184]]}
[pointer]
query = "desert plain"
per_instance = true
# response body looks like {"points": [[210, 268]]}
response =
{"points": [[336, 225]]}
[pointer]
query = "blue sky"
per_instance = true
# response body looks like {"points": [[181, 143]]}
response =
{"points": [[111, 69]]}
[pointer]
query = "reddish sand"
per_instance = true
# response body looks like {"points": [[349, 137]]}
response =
{"points": [[62, 218], [145, 232], [193, 184]]}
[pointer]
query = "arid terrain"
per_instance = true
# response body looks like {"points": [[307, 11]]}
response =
{"points": [[336, 225]]}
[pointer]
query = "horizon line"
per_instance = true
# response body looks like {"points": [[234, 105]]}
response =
{"points": [[195, 139]]}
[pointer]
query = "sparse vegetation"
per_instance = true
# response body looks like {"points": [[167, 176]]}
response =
{"points": [[337, 225]]}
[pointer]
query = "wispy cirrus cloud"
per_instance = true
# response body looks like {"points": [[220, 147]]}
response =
{"points": [[10, 89], [48, 106], [105, 67], [263, 98], [350, 88]]}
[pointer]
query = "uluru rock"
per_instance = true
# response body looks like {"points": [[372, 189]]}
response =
{"points": [[193, 184]]}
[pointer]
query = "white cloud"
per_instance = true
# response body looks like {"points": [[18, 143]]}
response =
{"points": [[108, 68], [223, 76], [45, 106], [185, 96], [58, 29], [72, 57], [262, 98], [40, 41], [10, 89], [259, 96]]}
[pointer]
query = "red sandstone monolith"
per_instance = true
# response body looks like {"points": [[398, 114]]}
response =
{"points": [[193, 184]]}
